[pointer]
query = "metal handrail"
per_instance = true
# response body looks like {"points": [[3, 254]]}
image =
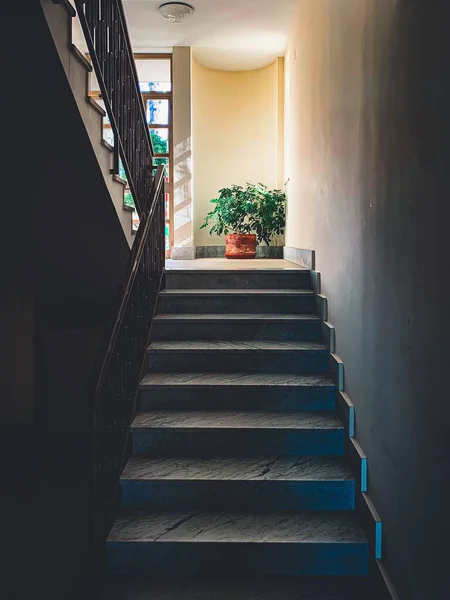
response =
{"points": [[115, 380], [115, 389], [105, 29]]}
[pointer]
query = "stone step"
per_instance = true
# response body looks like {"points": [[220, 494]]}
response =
{"points": [[238, 279], [237, 433], [237, 301], [247, 356], [192, 543], [238, 483], [237, 326], [247, 391], [266, 588]]}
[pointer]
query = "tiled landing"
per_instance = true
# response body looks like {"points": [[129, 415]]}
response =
{"points": [[230, 265]]}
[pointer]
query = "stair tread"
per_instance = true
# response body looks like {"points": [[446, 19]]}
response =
{"points": [[236, 379], [192, 346], [279, 468], [267, 317], [222, 527], [217, 419], [236, 292]]}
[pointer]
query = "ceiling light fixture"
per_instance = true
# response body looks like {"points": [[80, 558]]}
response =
{"points": [[175, 12]]}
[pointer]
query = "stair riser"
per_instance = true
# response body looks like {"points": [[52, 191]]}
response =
{"points": [[227, 558], [241, 330], [198, 280], [256, 496], [229, 362], [238, 304], [235, 397], [239, 442]]}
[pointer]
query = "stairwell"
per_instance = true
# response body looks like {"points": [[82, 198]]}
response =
{"points": [[78, 69], [237, 482]]}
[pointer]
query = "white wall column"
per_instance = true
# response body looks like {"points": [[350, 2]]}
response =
{"points": [[182, 152]]}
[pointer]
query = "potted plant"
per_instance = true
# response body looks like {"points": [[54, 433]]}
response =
{"points": [[247, 216]]}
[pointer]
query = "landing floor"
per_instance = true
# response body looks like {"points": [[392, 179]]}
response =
{"points": [[230, 265]]}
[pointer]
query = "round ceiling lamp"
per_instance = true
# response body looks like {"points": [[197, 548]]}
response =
{"points": [[175, 12]]}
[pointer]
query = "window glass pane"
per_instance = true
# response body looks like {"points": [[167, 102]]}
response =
{"points": [[108, 135], [155, 86], [160, 139], [154, 74], [167, 205], [165, 162], [93, 82], [128, 199], [167, 238], [127, 196], [122, 170], [158, 112]]}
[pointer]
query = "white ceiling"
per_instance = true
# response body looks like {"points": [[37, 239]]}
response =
{"points": [[226, 34]]}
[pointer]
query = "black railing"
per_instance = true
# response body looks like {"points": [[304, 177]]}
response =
{"points": [[117, 385], [105, 29], [119, 368]]}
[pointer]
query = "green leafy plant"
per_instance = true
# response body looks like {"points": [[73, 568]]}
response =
{"points": [[253, 209], [159, 147]]}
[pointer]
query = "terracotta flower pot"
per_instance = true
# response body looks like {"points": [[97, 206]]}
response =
{"points": [[240, 246]]}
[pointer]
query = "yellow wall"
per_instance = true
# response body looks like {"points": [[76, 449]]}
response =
{"points": [[237, 136], [306, 118]]}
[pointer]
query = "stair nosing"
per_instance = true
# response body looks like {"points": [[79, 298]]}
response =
{"points": [[328, 465], [120, 180], [237, 347], [237, 292], [330, 421], [267, 317], [81, 58], [267, 524], [70, 9], [322, 381], [96, 106], [107, 145]]}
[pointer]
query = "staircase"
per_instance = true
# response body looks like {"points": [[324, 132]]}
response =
{"points": [[237, 466], [78, 69]]}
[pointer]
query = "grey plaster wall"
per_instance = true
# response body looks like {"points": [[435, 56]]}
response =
{"points": [[370, 196]]}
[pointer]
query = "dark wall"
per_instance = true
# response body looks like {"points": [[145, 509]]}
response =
{"points": [[62, 246], [60, 233], [370, 184], [63, 257], [18, 358]]}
